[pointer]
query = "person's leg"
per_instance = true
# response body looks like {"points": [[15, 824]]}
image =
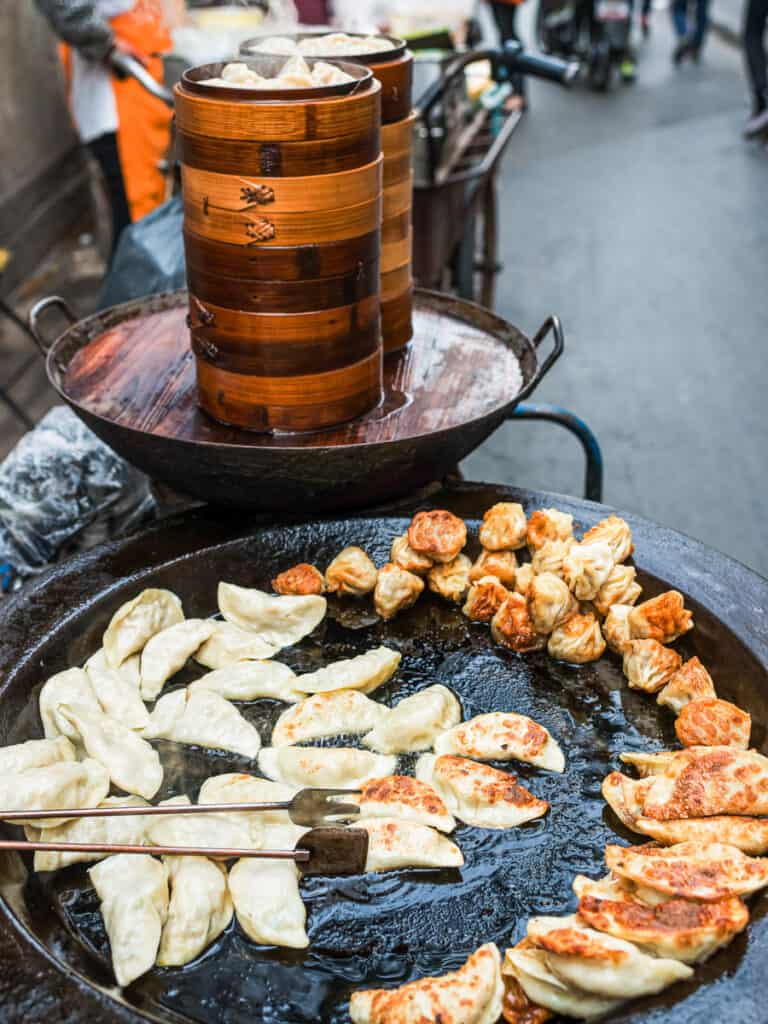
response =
{"points": [[700, 31], [754, 51], [505, 16], [104, 149], [679, 11]]}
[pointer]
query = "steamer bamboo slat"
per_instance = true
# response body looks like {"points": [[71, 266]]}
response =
{"points": [[398, 137], [395, 254], [398, 315], [395, 282], [398, 199]]}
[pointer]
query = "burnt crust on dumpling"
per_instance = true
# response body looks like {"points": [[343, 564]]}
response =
{"points": [[663, 618], [351, 573], [300, 579], [512, 627], [690, 682], [504, 527], [484, 599], [711, 722], [648, 665], [438, 534], [395, 590], [577, 640], [450, 579], [403, 555], [547, 524], [615, 532], [501, 564]]}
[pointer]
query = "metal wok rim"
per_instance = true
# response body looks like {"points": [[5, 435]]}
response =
{"points": [[248, 48]]}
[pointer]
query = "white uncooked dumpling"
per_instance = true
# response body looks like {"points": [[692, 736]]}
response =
{"points": [[224, 831], [133, 889], [364, 672], [267, 902], [502, 736], [135, 622], [415, 722], [327, 714], [128, 831], [200, 909], [239, 788], [22, 757], [324, 767], [204, 719], [251, 680], [279, 621], [70, 687], [404, 798], [118, 697], [168, 651], [544, 988], [396, 844], [66, 784], [132, 764], [229, 644]]}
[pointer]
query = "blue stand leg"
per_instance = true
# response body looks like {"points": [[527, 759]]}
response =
{"points": [[593, 478]]}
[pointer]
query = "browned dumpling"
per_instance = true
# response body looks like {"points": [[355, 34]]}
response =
{"points": [[524, 578], [548, 524], [704, 781], [403, 555], [578, 640], [450, 579], [625, 797], [511, 626], [616, 627], [501, 564], [299, 579], [710, 722], [750, 835], [395, 590], [439, 534], [517, 1008], [550, 602], [504, 527], [614, 532], [484, 599], [351, 573], [586, 567], [621, 587], [648, 665], [663, 618], [691, 682], [549, 557]]}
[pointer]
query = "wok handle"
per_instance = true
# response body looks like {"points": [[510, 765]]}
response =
{"points": [[593, 475], [552, 323], [34, 319]]}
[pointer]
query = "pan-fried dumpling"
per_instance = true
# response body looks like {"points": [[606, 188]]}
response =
{"points": [[23, 757], [550, 602], [713, 723], [137, 621], [484, 599], [693, 871], [750, 835], [450, 579], [396, 844], [167, 651], [621, 587], [512, 627], [586, 568], [599, 963], [133, 890], [128, 831], [251, 680], [648, 665], [229, 644], [324, 767], [232, 831], [404, 557], [364, 672], [502, 736], [504, 527], [648, 762], [415, 722], [663, 618], [438, 534], [395, 590], [471, 995], [625, 797], [118, 697], [267, 902], [200, 909], [691, 682], [615, 532], [279, 621], [404, 798], [677, 929], [351, 573], [616, 627], [63, 784], [300, 580], [327, 714], [204, 719], [548, 524], [132, 764], [578, 640], [518, 1008], [524, 578], [529, 967], [549, 557], [501, 564], [70, 687], [703, 781], [478, 794]]}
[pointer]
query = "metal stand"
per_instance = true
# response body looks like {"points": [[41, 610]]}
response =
{"points": [[5, 396], [593, 477]]}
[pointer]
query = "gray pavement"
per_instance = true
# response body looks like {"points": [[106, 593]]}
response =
{"points": [[640, 217]]}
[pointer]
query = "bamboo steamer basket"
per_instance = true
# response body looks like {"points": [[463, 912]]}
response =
{"points": [[283, 200], [393, 68]]}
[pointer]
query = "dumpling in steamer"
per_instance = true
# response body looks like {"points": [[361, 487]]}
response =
{"points": [[691, 682], [404, 798], [229, 644], [118, 697], [415, 722], [437, 534], [128, 831], [712, 723], [450, 579], [395, 590], [502, 736], [663, 618], [267, 902], [23, 757], [351, 573], [504, 527], [394, 844], [137, 621], [501, 564], [586, 568], [471, 995], [364, 673], [205, 719], [550, 602], [301, 579], [72, 686], [63, 784], [327, 714], [578, 640], [324, 767], [278, 621], [616, 627], [478, 794], [251, 680], [548, 524], [528, 965], [513, 628], [621, 587], [549, 557], [615, 532], [200, 909], [692, 871], [168, 651], [484, 599], [404, 557], [133, 890], [648, 665]]}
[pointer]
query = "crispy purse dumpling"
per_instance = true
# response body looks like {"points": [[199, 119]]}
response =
{"points": [[279, 621], [502, 736], [478, 794], [267, 902], [23, 757], [229, 644], [529, 967], [471, 995], [663, 618], [512, 626], [364, 672], [690, 682], [404, 798], [404, 557], [204, 719], [621, 587], [128, 831], [438, 534], [578, 640], [693, 871], [615, 532], [648, 665], [450, 579], [133, 890], [547, 524], [394, 844], [550, 602], [523, 579], [586, 568], [72, 686], [415, 722], [324, 767], [616, 627], [137, 621], [549, 557], [327, 714], [501, 564], [63, 784], [200, 909], [251, 680], [713, 723], [484, 599], [395, 590], [300, 580], [504, 527], [118, 698], [351, 573], [704, 781], [168, 651]]}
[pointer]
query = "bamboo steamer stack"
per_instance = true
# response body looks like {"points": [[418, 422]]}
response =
{"points": [[282, 234], [393, 67]]}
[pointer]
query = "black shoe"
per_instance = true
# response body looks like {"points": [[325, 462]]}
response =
{"points": [[757, 125], [680, 52]]}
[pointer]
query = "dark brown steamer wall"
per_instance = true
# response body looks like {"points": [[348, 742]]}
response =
{"points": [[282, 215]]}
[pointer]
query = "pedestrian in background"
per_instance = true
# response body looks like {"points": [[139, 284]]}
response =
{"points": [[754, 49], [505, 16], [690, 36]]}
